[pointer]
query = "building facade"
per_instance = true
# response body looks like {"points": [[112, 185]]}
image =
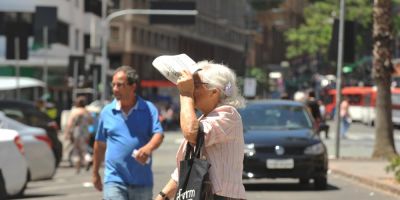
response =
{"points": [[219, 34], [77, 29]]}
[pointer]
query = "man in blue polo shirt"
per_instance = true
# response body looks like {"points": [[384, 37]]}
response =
{"points": [[127, 124]]}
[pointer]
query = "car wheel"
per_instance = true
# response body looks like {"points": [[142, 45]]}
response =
{"points": [[21, 193], [371, 123], [3, 192], [304, 181], [320, 183]]}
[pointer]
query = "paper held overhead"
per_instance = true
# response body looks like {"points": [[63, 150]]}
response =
{"points": [[171, 66], [10, 82]]}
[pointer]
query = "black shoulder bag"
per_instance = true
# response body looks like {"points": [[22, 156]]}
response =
{"points": [[194, 183]]}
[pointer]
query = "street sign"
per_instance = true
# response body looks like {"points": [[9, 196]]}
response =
{"points": [[172, 19], [250, 86]]}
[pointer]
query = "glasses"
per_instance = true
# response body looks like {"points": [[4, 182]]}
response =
{"points": [[119, 85], [197, 84]]}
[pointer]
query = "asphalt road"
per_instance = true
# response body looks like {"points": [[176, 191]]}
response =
{"points": [[67, 185]]}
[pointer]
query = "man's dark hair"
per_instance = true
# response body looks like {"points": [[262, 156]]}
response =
{"points": [[80, 101], [131, 74], [311, 94]]}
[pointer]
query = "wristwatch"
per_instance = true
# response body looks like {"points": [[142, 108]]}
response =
{"points": [[163, 195]]}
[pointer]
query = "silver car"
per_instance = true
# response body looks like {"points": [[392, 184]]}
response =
{"points": [[38, 153], [13, 166]]}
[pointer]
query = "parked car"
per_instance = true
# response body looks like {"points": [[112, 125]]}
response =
{"points": [[37, 145], [13, 166], [281, 142], [26, 113]]}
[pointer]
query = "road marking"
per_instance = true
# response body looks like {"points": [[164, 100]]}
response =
{"points": [[33, 188], [87, 184]]}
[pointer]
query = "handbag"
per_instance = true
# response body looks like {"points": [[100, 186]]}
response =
{"points": [[194, 182]]}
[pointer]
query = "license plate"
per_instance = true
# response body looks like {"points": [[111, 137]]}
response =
{"points": [[280, 163]]}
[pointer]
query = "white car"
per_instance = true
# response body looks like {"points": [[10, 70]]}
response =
{"points": [[13, 165], [38, 152]]}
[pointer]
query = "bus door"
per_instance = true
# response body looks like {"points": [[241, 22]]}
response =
{"points": [[356, 107], [396, 106], [368, 111]]}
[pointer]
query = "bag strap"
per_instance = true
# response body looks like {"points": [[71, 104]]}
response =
{"points": [[199, 141], [199, 145]]}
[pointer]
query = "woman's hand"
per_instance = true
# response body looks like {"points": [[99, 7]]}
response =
{"points": [[185, 84]]}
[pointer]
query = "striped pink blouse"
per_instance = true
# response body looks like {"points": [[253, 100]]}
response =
{"points": [[224, 150]]}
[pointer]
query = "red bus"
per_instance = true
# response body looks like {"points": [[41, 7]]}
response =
{"points": [[362, 103]]}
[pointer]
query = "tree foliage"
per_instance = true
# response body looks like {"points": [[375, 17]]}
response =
{"points": [[314, 35]]}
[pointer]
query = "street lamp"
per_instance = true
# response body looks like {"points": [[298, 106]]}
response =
{"points": [[106, 22], [339, 76]]}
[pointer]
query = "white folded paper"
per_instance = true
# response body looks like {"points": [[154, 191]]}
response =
{"points": [[170, 66]]}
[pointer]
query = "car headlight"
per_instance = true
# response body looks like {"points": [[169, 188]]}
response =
{"points": [[315, 149], [249, 150]]}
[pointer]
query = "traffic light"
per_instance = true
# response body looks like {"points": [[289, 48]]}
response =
{"points": [[347, 69], [348, 43]]}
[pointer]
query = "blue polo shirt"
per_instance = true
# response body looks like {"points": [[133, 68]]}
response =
{"points": [[124, 133]]}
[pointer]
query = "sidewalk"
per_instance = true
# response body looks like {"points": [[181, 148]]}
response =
{"points": [[366, 171]]}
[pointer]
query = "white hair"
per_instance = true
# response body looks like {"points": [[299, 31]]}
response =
{"points": [[299, 96], [221, 77]]}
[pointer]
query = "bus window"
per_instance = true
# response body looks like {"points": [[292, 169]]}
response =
{"points": [[367, 100], [395, 98], [354, 99]]}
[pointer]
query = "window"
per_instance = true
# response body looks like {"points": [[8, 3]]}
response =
{"points": [[86, 41], [15, 114], [114, 33], [62, 33], [134, 34], [77, 39]]}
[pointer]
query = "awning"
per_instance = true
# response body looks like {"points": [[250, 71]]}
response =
{"points": [[10, 82], [156, 83]]}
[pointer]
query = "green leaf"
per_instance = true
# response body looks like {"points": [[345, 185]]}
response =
{"points": [[314, 35]]}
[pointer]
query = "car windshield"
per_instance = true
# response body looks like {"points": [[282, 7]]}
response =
{"points": [[275, 117]]}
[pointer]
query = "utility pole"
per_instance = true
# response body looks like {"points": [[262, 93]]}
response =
{"points": [[339, 77], [17, 72], [45, 67], [104, 45]]}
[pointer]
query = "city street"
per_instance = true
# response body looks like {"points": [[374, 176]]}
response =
{"points": [[67, 185]]}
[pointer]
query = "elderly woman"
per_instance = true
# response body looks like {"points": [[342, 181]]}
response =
{"points": [[213, 91]]}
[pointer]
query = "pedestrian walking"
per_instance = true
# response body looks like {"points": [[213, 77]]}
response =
{"points": [[214, 92], [345, 117], [323, 126], [168, 117], [77, 131], [128, 132], [313, 107]]}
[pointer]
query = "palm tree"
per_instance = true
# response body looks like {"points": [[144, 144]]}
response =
{"points": [[381, 73]]}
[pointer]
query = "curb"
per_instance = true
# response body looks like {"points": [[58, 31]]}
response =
{"points": [[368, 182]]}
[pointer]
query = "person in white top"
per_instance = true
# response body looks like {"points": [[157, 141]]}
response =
{"points": [[213, 91], [345, 117]]}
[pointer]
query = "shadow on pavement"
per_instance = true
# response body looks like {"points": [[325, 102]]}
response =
{"points": [[284, 187], [37, 196]]}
